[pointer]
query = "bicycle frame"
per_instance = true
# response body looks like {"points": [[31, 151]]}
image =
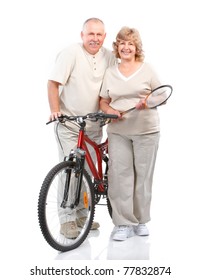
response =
{"points": [[97, 172]]}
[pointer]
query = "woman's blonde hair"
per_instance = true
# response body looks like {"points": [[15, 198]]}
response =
{"points": [[129, 34]]}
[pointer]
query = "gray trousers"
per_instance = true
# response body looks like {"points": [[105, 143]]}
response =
{"points": [[131, 167], [67, 140]]}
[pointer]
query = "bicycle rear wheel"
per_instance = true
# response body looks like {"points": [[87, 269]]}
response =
{"points": [[51, 197], [109, 207]]}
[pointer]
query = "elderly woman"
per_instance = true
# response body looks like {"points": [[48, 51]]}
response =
{"points": [[133, 138]]}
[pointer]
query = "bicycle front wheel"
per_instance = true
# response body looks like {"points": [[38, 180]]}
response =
{"points": [[59, 184]]}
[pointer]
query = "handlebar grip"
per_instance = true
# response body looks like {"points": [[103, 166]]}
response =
{"points": [[111, 116], [58, 119], [51, 121]]}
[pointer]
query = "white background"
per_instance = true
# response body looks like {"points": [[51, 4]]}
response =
{"points": [[32, 33]]}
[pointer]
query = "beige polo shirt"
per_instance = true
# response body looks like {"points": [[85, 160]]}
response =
{"points": [[125, 93], [81, 75]]}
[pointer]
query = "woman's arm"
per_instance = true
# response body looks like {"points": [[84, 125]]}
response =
{"points": [[106, 108]]}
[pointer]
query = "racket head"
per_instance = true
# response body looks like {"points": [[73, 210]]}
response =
{"points": [[158, 96]]}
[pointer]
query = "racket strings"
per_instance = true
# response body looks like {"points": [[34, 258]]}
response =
{"points": [[157, 97]]}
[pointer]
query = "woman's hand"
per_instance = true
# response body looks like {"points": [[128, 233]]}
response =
{"points": [[141, 105], [107, 109]]}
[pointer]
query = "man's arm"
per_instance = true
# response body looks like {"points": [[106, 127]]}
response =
{"points": [[53, 97]]}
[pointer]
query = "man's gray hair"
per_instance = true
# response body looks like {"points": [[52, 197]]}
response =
{"points": [[92, 19]]}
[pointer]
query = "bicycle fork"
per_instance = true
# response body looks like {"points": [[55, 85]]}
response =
{"points": [[77, 156]]}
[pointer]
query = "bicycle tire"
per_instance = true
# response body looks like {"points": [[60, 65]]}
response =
{"points": [[48, 210], [109, 207]]}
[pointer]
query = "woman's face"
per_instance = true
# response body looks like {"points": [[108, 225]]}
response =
{"points": [[127, 50]]}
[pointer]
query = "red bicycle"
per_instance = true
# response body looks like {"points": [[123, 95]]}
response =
{"points": [[69, 186]]}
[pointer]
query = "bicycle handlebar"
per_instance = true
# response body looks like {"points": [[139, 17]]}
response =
{"points": [[91, 116]]}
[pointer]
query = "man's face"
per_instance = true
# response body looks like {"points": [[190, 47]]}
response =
{"points": [[93, 36]]}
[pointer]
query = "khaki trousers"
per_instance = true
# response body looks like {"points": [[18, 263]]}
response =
{"points": [[67, 140], [131, 167]]}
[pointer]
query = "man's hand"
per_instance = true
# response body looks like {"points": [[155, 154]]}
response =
{"points": [[55, 115]]}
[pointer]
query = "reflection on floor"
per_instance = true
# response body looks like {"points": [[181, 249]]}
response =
{"points": [[165, 243], [100, 246], [96, 247]]}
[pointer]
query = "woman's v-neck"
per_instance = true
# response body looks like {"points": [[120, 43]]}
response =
{"points": [[131, 76]]}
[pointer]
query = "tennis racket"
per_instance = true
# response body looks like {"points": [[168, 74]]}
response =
{"points": [[155, 98]]}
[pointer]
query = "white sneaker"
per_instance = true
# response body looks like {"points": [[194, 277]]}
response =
{"points": [[121, 233], [141, 230]]}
